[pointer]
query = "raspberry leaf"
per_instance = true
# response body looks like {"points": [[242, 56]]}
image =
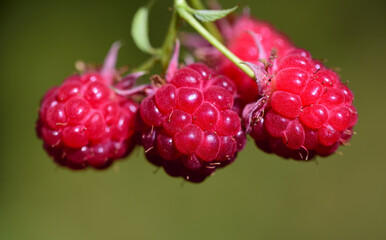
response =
{"points": [[139, 31], [211, 15]]}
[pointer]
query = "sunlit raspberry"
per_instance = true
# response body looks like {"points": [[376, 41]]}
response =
{"points": [[306, 110], [192, 127], [83, 122]]}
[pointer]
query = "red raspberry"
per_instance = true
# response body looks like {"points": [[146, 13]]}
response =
{"points": [[191, 128], [85, 123], [307, 110], [251, 40]]}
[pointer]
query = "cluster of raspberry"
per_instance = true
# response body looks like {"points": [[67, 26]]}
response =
{"points": [[195, 117]]}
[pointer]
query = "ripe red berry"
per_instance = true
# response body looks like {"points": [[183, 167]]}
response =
{"points": [[83, 122], [307, 110], [191, 127], [246, 32]]}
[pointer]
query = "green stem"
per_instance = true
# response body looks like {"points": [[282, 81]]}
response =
{"points": [[212, 28], [180, 6], [170, 40], [147, 65]]}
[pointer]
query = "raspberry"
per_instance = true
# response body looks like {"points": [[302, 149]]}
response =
{"points": [[85, 123], [191, 127], [246, 31], [307, 110]]}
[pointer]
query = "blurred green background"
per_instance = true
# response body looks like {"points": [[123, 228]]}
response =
{"points": [[260, 196]]}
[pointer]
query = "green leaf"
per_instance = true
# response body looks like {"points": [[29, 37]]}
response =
{"points": [[211, 15], [139, 30]]}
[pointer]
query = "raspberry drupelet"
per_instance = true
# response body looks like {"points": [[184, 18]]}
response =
{"points": [[191, 125], [83, 122], [305, 110]]}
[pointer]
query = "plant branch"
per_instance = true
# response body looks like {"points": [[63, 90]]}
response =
{"points": [[212, 28], [181, 9], [170, 40], [147, 65]]}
